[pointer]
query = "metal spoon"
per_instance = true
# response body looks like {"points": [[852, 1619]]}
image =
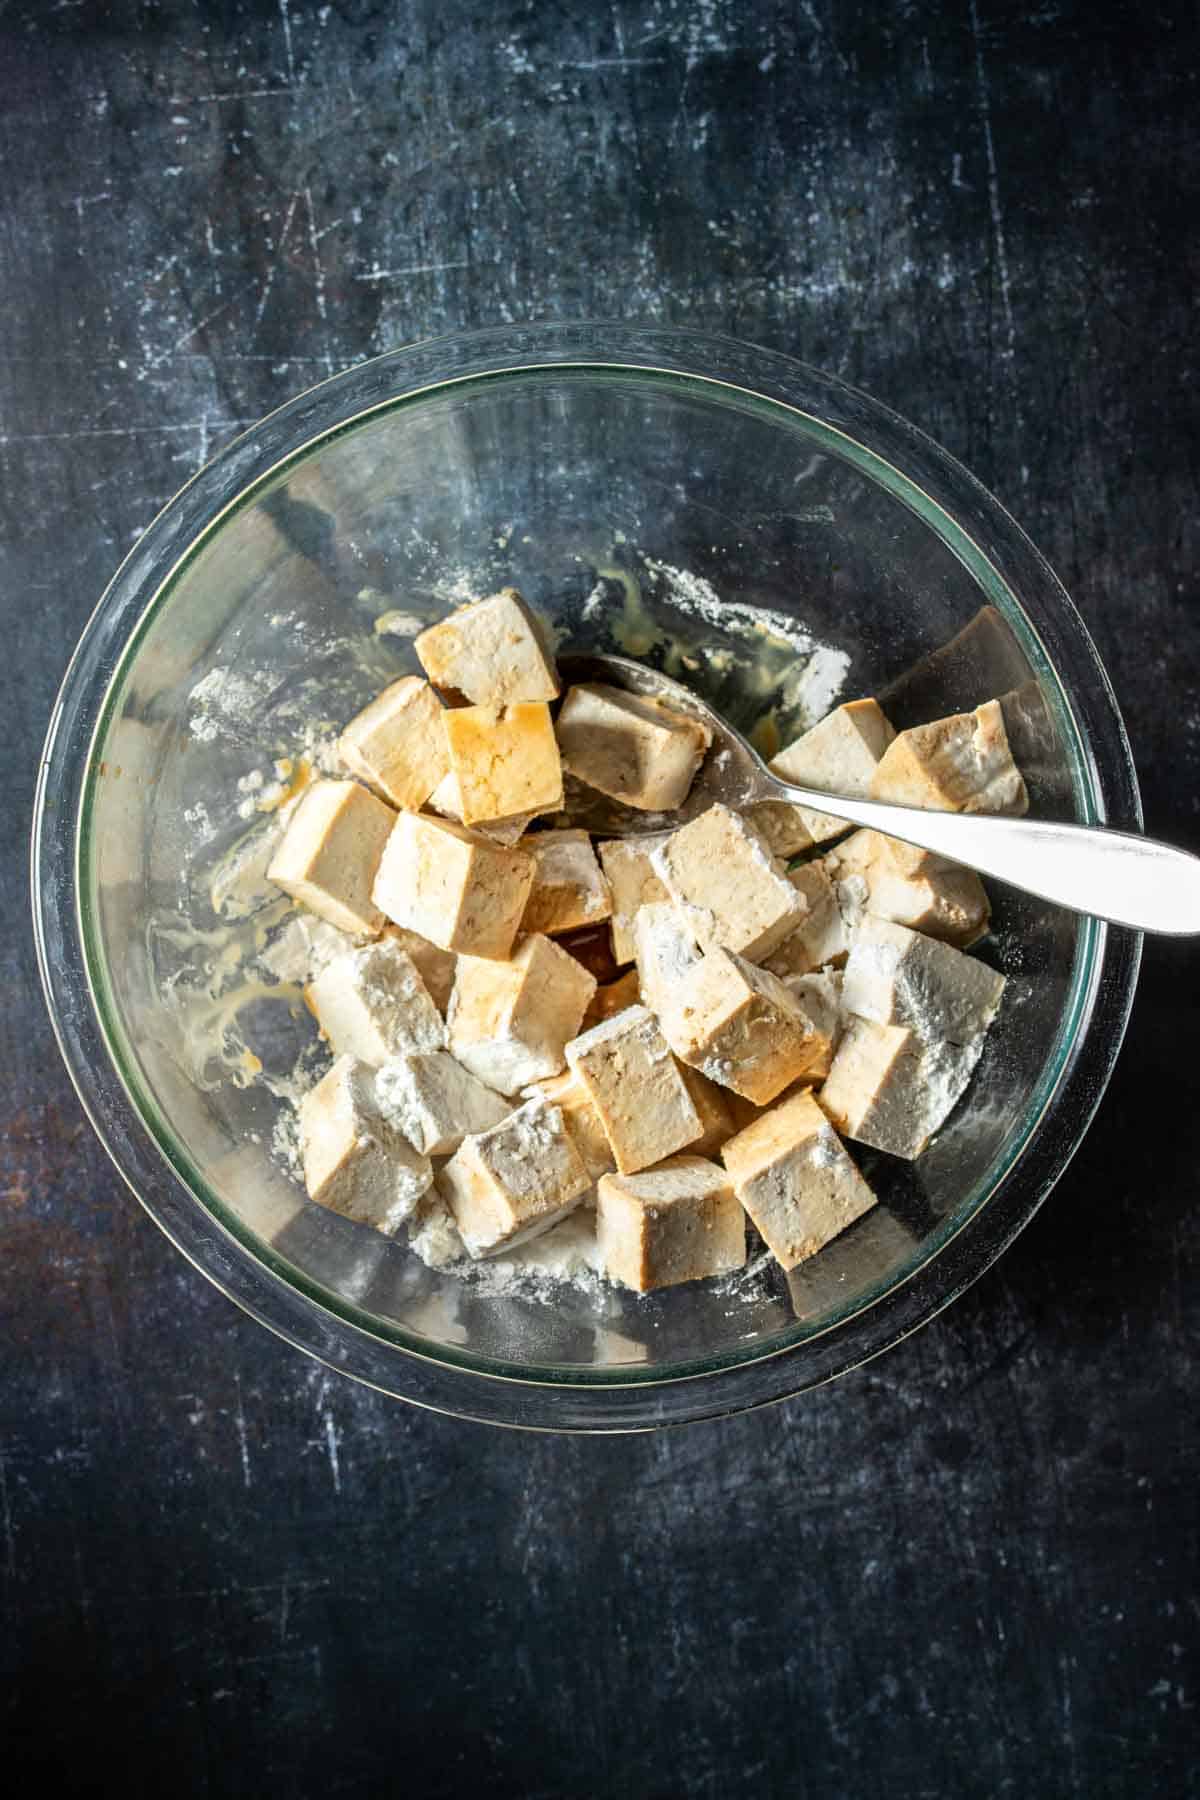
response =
{"points": [[1114, 875]]}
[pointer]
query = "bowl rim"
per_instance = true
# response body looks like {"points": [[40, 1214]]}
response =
{"points": [[280, 1295]]}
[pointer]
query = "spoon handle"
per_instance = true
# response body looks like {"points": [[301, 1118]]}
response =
{"points": [[1114, 875]]}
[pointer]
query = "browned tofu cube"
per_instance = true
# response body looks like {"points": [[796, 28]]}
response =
{"points": [[372, 1004], [744, 1029], [505, 760], [891, 1089], [514, 1181], [568, 888], [356, 1161], [838, 756], [959, 764], [795, 1179], [633, 883], [454, 887], [729, 887], [583, 1121], [434, 965], [820, 936], [509, 1022], [330, 854], [631, 749], [492, 651], [396, 744], [636, 1088], [679, 1222]]}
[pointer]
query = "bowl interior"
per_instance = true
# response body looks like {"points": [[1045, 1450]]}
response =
{"points": [[772, 563]]}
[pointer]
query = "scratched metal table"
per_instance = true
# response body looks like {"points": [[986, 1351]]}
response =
{"points": [[967, 1570]]}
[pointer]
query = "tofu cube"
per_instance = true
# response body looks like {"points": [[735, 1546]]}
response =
{"points": [[509, 1022], [434, 965], [820, 936], [629, 748], [795, 1179], [745, 1030], [820, 994], [435, 1102], [453, 886], [372, 1004], [446, 800], [914, 887], [514, 1181], [396, 744], [505, 760], [613, 997], [583, 1121], [665, 951], [714, 1109], [958, 764], [950, 904], [680, 1222], [635, 1085], [568, 887], [491, 651], [356, 1162], [731, 890], [632, 882], [330, 853], [895, 976], [839, 756], [890, 1089]]}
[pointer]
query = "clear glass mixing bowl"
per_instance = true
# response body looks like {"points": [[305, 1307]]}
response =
{"points": [[715, 508]]}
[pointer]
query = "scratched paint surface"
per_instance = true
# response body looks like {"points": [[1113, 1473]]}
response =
{"points": [[967, 1570]]}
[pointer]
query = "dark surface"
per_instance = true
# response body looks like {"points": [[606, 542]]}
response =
{"points": [[967, 1570]]}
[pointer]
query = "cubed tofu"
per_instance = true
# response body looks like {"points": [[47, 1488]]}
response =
{"points": [[914, 887], [505, 760], [820, 936], [820, 994], [895, 976], [795, 1179], [396, 744], [453, 886], [613, 997], [714, 1107], [446, 801], [680, 1222], [435, 1102], [631, 749], [330, 854], [839, 756], [665, 950], [569, 889], [636, 1087], [583, 1121], [372, 1004], [356, 1162], [492, 651], [890, 1089], [434, 965], [950, 904], [959, 764], [745, 1030], [632, 882], [303, 947], [514, 1181], [509, 1022], [730, 888]]}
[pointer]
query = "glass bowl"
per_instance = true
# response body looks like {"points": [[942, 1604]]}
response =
{"points": [[719, 510]]}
